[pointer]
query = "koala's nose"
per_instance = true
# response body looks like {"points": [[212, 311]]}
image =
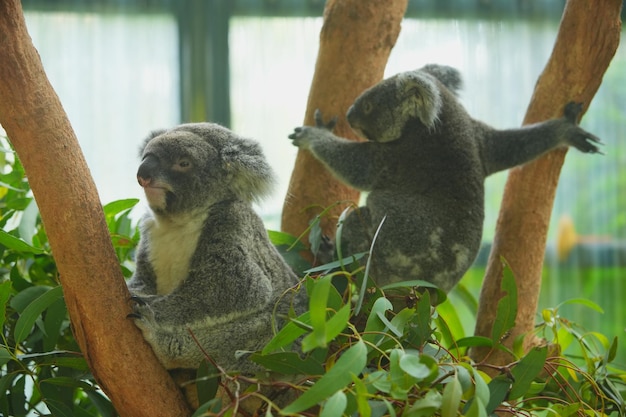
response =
{"points": [[147, 170]]}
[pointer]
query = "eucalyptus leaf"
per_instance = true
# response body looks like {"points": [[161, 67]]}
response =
{"points": [[32, 312], [335, 405], [526, 370], [289, 363], [116, 207], [350, 363], [499, 388], [207, 381], [5, 356], [11, 242], [5, 293], [451, 398]]}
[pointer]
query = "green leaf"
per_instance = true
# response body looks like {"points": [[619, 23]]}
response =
{"points": [[451, 399], [11, 242], [381, 380], [66, 381], [507, 307], [425, 407], [335, 405], [114, 208], [374, 325], [31, 313], [102, 404], [350, 363], [55, 317], [285, 239], [418, 366], [288, 334], [213, 406], [5, 293], [289, 363], [527, 370], [336, 264], [23, 298], [324, 331], [207, 381], [362, 395], [499, 388], [474, 341], [58, 408], [612, 351], [583, 302], [476, 409], [401, 380], [28, 222], [5, 356], [481, 388]]}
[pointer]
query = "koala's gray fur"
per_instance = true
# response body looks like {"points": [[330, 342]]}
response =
{"points": [[424, 164], [205, 264]]}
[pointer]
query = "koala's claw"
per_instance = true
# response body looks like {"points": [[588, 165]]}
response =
{"points": [[133, 316], [319, 121], [137, 299]]}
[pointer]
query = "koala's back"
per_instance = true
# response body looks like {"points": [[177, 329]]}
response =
{"points": [[431, 199]]}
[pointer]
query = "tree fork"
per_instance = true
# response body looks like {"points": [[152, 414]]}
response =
{"points": [[355, 42], [95, 292], [588, 37]]}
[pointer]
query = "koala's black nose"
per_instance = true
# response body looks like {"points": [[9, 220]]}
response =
{"points": [[147, 169]]}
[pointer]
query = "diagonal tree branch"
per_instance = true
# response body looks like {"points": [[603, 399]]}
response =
{"points": [[355, 43], [94, 289], [586, 42]]}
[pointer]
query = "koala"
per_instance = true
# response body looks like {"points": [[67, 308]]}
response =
{"points": [[207, 277], [424, 163]]}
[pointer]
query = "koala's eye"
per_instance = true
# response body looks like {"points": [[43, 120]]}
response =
{"points": [[182, 165]]}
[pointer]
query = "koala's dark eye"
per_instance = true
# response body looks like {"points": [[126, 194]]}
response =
{"points": [[182, 165]]}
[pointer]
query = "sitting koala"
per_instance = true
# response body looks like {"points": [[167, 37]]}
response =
{"points": [[424, 164], [207, 276]]}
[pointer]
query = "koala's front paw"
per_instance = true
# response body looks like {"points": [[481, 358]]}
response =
{"points": [[142, 313], [584, 141], [577, 137], [304, 136], [319, 121]]}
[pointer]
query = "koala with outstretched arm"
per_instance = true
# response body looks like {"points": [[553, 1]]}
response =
{"points": [[207, 276], [424, 163]]}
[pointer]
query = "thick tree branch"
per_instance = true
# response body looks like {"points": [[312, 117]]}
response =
{"points": [[587, 40], [355, 43], [94, 288]]}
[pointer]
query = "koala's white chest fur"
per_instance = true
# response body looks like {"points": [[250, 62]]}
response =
{"points": [[172, 245]]}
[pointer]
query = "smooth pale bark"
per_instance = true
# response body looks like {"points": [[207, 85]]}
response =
{"points": [[586, 42], [93, 286], [355, 43]]}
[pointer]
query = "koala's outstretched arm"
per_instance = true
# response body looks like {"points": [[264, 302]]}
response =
{"points": [[504, 149], [352, 162]]}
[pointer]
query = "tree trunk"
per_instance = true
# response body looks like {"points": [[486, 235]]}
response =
{"points": [[355, 43], [587, 40], [95, 292]]}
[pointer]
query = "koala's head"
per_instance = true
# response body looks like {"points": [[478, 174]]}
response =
{"points": [[196, 165], [381, 112]]}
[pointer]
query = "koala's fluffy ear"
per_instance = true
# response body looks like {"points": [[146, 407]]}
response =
{"points": [[251, 176], [151, 136], [420, 96], [448, 76]]}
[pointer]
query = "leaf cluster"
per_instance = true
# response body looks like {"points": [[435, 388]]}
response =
{"points": [[358, 350], [42, 371]]}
